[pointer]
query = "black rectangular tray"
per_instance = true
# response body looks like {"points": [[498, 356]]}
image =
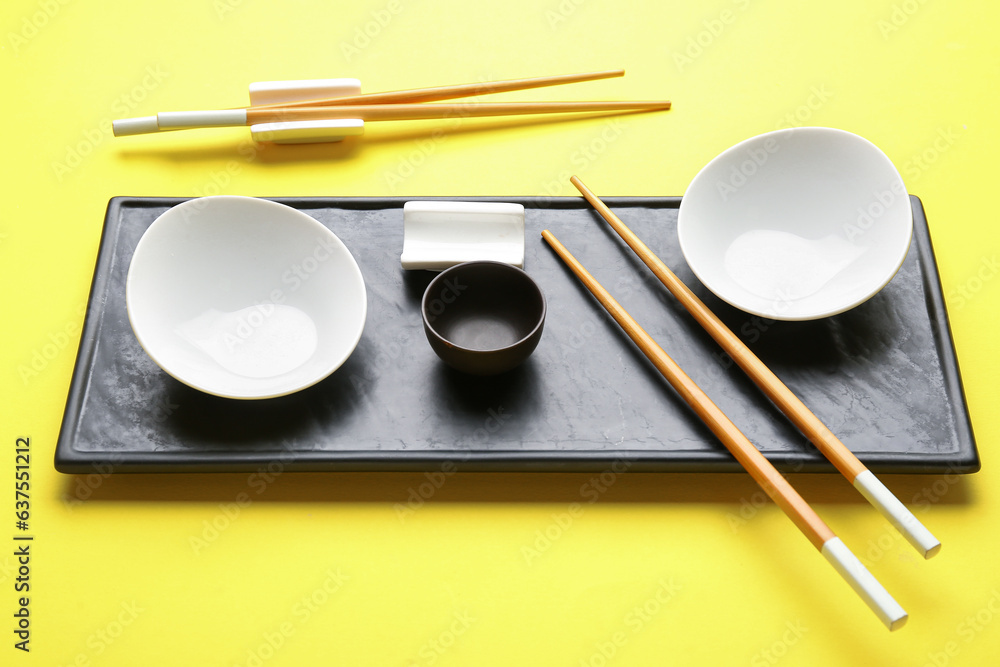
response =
{"points": [[882, 376]]}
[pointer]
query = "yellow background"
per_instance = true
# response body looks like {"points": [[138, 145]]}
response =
{"points": [[323, 569]]}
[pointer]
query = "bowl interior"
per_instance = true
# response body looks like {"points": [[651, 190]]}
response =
{"points": [[244, 298], [483, 306], [796, 224]]}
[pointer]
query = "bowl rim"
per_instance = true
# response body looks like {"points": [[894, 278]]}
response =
{"points": [[502, 266], [816, 313], [305, 218]]}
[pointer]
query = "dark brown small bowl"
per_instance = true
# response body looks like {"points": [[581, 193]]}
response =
{"points": [[483, 317]]}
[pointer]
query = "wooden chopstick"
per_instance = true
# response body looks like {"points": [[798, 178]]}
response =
{"points": [[458, 110], [842, 458], [769, 479], [178, 120], [415, 95]]}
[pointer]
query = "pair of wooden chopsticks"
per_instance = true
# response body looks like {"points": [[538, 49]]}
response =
{"points": [[395, 105], [818, 533]]}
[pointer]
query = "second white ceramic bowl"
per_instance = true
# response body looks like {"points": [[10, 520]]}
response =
{"points": [[796, 224]]}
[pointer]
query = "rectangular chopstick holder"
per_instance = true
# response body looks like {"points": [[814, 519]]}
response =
{"points": [[304, 131]]}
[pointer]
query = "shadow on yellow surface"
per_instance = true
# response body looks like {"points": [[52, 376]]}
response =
{"points": [[917, 491]]}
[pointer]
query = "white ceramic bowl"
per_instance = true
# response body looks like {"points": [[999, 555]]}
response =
{"points": [[796, 224], [244, 298]]}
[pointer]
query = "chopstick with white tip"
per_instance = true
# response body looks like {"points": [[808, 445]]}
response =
{"points": [[837, 452], [177, 120], [769, 479], [185, 120]]}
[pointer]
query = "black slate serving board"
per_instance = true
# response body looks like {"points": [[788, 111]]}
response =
{"points": [[882, 376]]}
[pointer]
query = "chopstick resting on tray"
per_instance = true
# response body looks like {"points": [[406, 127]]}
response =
{"points": [[395, 105], [769, 479], [837, 452]]}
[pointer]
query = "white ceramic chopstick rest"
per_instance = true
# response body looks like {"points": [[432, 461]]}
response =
{"points": [[262, 93], [304, 131], [864, 584], [441, 234]]}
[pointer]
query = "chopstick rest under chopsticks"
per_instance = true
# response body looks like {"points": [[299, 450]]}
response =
{"points": [[769, 479]]}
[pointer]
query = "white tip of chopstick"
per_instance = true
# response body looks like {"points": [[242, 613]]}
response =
{"points": [[128, 126], [864, 584], [892, 509], [193, 119]]}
